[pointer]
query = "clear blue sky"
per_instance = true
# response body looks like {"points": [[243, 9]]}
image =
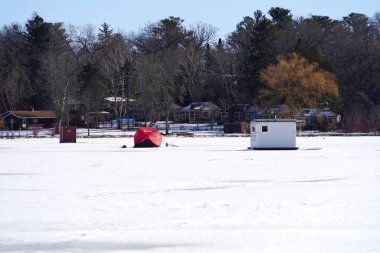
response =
{"points": [[130, 16]]}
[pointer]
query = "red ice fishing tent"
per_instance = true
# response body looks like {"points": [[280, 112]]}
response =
{"points": [[147, 137]]}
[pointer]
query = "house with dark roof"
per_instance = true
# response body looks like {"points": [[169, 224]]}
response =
{"points": [[307, 117], [280, 111], [200, 112], [241, 112], [317, 119], [327, 120], [29, 119]]}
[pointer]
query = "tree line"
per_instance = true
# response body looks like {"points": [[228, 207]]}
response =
{"points": [[269, 58]]}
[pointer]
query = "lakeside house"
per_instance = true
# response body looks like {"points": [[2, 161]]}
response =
{"points": [[15, 120]]}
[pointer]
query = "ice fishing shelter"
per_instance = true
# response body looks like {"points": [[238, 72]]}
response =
{"points": [[147, 137], [68, 134], [273, 134]]}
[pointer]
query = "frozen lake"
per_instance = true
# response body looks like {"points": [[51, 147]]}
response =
{"points": [[202, 194]]}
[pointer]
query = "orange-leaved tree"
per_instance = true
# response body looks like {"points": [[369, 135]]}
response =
{"points": [[298, 83]]}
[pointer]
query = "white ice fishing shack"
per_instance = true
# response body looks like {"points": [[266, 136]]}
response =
{"points": [[273, 134]]}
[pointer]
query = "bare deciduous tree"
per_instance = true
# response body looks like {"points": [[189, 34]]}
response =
{"points": [[190, 61], [13, 78], [223, 75], [60, 66], [204, 34], [12, 89], [159, 82], [117, 64]]}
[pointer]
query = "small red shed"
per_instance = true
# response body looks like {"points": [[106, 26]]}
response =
{"points": [[68, 134]]}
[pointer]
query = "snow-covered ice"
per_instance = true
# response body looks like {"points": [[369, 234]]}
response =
{"points": [[203, 194]]}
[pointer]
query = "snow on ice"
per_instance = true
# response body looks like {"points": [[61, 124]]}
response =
{"points": [[197, 195]]}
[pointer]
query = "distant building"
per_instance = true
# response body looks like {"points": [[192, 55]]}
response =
{"points": [[200, 112], [280, 111], [327, 120], [251, 112], [119, 99], [307, 117], [317, 119], [241, 112], [29, 119]]}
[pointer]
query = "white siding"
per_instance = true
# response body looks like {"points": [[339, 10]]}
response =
{"points": [[279, 134]]}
